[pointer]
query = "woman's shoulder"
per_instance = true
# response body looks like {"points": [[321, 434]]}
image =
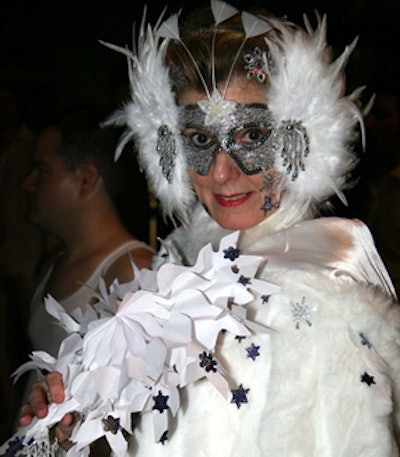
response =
{"points": [[342, 249]]}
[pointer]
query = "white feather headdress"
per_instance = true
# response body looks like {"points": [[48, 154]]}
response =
{"points": [[306, 87], [152, 107]]}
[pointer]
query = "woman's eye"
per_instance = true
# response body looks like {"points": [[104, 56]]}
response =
{"points": [[200, 139], [251, 135]]}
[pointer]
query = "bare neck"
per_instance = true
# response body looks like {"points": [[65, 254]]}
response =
{"points": [[93, 233]]}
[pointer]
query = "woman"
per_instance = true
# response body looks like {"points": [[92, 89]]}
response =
{"points": [[254, 134]]}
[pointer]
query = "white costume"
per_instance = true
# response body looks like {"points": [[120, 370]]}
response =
{"points": [[317, 374], [323, 382]]}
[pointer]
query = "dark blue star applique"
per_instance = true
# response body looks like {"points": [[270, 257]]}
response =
{"points": [[160, 402], [14, 446], [265, 299], [239, 396], [268, 205], [244, 281], [207, 362], [164, 438], [253, 351], [231, 253], [111, 424], [240, 338], [367, 379], [365, 341]]}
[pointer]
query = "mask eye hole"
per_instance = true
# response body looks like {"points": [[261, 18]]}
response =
{"points": [[251, 136], [199, 139]]}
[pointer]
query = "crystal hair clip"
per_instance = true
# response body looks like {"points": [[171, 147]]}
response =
{"points": [[257, 64]]}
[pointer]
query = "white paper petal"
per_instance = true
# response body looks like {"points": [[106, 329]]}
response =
{"points": [[59, 312], [151, 340], [117, 443]]}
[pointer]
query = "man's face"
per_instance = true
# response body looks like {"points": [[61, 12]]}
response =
{"points": [[50, 188]]}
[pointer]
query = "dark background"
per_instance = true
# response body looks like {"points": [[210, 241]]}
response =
{"points": [[50, 49]]}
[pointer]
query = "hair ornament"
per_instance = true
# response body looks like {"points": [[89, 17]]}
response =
{"points": [[254, 26], [178, 79], [222, 11], [257, 65]]}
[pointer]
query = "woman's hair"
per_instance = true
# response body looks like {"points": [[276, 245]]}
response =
{"points": [[215, 48]]}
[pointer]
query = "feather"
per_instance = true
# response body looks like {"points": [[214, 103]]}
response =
{"points": [[127, 52], [306, 86], [169, 28], [222, 11], [254, 26]]}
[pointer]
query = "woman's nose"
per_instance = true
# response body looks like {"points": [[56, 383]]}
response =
{"points": [[223, 168]]}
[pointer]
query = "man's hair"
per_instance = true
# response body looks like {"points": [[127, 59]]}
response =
{"points": [[85, 141]]}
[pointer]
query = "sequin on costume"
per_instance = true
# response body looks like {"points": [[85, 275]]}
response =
{"points": [[239, 395]]}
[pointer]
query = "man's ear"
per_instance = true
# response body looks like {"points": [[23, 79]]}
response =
{"points": [[89, 177]]}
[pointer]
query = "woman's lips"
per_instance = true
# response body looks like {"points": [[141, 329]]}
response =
{"points": [[232, 200]]}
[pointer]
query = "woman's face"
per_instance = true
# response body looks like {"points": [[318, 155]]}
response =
{"points": [[235, 195]]}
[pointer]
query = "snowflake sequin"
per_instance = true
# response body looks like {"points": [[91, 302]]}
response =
{"points": [[301, 313], [207, 362]]}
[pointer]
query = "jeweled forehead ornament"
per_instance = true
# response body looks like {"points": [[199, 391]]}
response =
{"points": [[257, 64]]}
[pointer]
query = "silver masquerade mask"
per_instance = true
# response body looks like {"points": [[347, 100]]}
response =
{"points": [[245, 135]]}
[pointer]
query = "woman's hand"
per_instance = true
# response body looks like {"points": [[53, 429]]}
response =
{"points": [[51, 389]]}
